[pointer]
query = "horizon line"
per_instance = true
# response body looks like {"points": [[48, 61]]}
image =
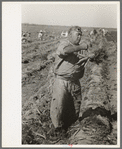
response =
{"points": [[68, 25]]}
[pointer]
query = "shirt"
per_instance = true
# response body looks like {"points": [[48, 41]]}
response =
{"points": [[68, 66]]}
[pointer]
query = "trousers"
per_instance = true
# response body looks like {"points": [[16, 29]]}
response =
{"points": [[65, 103]]}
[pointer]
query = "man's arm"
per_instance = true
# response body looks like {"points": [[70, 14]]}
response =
{"points": [[71, 49]]}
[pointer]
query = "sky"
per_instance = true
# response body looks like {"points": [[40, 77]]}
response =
{"points": [[90, 14]]}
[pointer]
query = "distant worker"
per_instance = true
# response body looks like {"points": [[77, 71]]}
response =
{"points": [[68, 69], [93, 32], [40, 35], [28, 34], [24, 34], [64, 34], [104, 32]]}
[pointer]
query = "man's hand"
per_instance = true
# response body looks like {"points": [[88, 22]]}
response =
{"points": [[88, 44]]}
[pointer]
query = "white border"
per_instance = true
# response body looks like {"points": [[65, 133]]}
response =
{"points": [[11, 75]]}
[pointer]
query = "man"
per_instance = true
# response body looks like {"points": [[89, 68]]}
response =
{"points": [[68, 69], [41, 34]]}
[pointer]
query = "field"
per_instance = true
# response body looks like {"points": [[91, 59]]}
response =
{"points": [[99, 86]]}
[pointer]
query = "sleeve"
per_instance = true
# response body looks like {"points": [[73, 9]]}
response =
{"points": [[60, 51]]}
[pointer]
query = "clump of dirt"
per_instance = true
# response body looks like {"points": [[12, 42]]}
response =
{"points": [[92, 131]]}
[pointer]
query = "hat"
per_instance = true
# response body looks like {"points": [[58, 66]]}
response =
{"points": [[75, 28]]}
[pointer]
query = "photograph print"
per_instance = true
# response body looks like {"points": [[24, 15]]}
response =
{"points": [[70, 77]]}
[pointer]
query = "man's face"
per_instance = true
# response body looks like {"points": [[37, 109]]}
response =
{"points": [[75, 37]]}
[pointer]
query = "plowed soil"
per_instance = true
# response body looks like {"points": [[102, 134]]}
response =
{"points": [[99, 83]]}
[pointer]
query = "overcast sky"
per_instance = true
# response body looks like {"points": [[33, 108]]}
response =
{"points": [[78, 13]]}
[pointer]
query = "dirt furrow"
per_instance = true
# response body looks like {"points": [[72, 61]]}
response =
{"points": [[99, 93]]}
